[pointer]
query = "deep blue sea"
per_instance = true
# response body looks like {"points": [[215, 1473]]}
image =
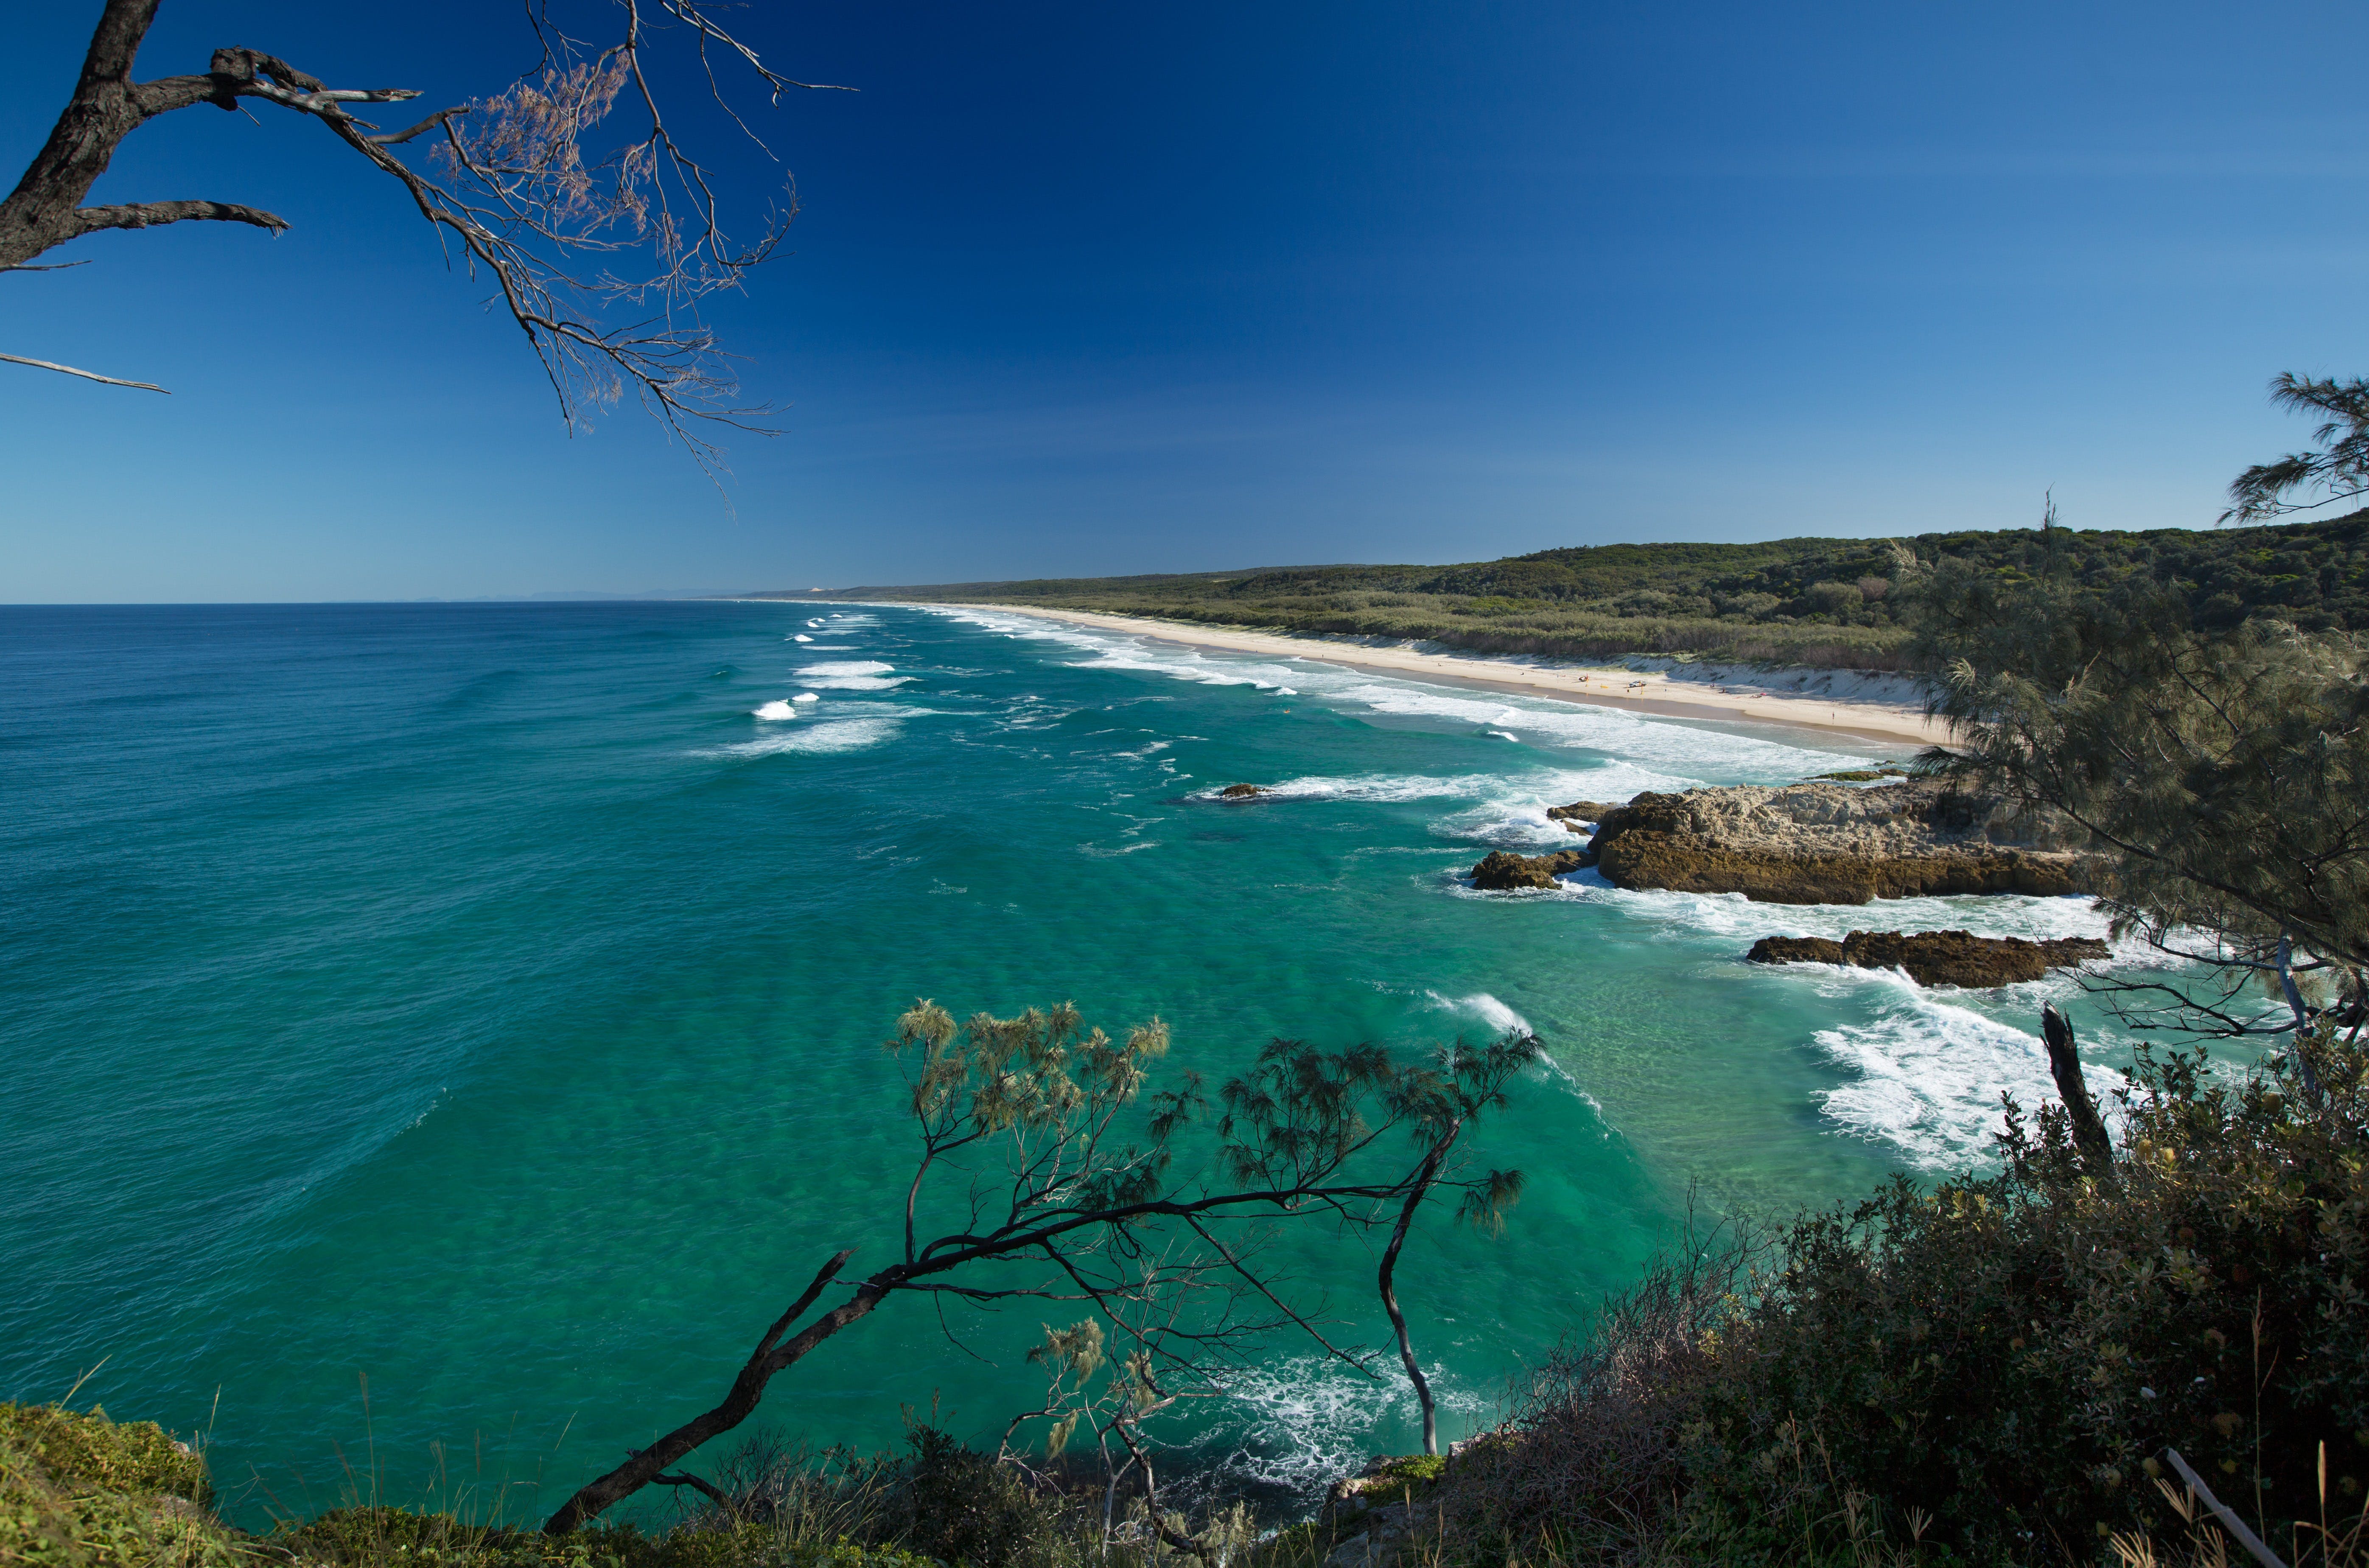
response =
{"points": [[481, 1005]]}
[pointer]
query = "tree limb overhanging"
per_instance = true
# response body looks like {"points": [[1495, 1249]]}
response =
{"points": [[2223, 778], [1024, 1123], [1439, 1103], [513, 185]]}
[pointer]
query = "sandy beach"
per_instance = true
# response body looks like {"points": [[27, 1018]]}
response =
{"points": [[1741, 698]]}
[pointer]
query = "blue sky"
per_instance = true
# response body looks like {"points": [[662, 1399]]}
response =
{"points": [[1093, 288]]}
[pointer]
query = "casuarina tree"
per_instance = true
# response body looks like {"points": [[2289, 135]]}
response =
{"points": [[1047, 1170]]}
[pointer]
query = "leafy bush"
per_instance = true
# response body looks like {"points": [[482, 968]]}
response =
{"points": [[89, 1451], [396, 1538], [77, 1491], [1990, 1368], [958, 1504]]}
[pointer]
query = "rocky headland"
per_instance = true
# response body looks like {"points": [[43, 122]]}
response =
{"points": [[1834, 843], [1935, 958]]}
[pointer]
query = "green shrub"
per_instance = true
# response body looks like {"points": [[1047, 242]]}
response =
{"points": [[77, 1491], [958, 1504], [1992, 1367], [396, 1538], [89, 1451]]}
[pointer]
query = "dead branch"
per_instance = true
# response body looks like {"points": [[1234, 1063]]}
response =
{"points": [[2064, 1066], [542, 216], [87, 375]]}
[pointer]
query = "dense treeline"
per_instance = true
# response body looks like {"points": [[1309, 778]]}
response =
{"points": [[1821, 601]]}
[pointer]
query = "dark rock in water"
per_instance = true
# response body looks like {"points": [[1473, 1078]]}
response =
{"points": [[1579, 816], [1501, 872], [1834, 844], [1242, 791], [1935, 958]]}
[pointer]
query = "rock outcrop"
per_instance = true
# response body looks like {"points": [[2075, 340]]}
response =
{"points": [[1832, 843], [1935, 958], [1580, 816], [1367, 1516], [1501, 872], [1242, 791]]}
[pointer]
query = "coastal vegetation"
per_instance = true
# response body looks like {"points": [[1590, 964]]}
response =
{"points": [[2135, 1347], [2144, 1345], [1046, 1172], [1992, 1369], [1823, 602]]}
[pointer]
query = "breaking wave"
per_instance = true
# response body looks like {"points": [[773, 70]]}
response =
{"points": [[1926, 1074], [1295, 1426], [828, 735], [1500, 1018], [852, 675], [1705, 754]]}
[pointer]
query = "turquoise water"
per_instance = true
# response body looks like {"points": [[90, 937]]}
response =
{"points": [[485, 1002]]}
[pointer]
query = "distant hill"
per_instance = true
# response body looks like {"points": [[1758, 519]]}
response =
{"points": [[1821, 601]]}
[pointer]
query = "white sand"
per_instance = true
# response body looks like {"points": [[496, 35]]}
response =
{"points": [[1871, 705]]}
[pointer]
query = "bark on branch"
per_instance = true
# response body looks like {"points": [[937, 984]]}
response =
{"points": [[2064, 1066], [545, 215], [87, 375], [644, 1466], [148, 214]]}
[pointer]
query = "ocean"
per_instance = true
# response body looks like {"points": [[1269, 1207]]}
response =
{"points": [[440, 1038]]}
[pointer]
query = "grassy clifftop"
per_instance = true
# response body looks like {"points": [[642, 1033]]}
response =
{"points": [[1828, 602]]}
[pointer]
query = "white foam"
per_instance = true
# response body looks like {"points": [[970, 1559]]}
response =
{"points": [[1374, 786], [815, 623], [1303, 1422], [801, 637], [829, 736], [1708, 755], [852, 675], [1500, 1018], [1929, 1073], [1712, 755], [1733, 916], [777, 709], [807, 697]]}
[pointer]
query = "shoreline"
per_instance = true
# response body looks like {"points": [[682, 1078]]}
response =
{"points": [[1600, 685]]}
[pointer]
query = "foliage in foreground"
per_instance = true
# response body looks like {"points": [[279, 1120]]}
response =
{"points": [[1989, 1370], [79, 1491]]}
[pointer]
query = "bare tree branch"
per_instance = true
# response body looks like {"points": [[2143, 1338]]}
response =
{"points": [[548, 219], [87, 375], [149, 214]]}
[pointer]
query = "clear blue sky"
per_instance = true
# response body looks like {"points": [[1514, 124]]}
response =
{"points": [[1089, 288]]}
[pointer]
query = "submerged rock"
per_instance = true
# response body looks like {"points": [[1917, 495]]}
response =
{"points": [[1935, 958], [1834, 844], [1501, 873], [1242, 792]]}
